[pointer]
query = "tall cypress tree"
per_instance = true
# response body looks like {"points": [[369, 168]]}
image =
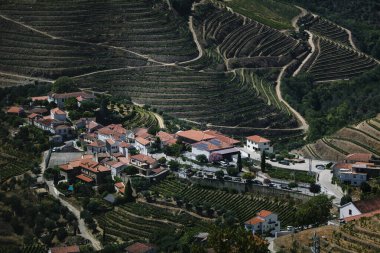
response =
{"points": [[263, 168], [239, 163], [128, 193]]}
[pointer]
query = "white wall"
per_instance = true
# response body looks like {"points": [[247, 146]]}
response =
{"points": [[348, 210]]}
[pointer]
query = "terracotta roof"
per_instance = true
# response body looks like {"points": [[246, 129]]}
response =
{"points": [[366, 206], [264, 213], [356, 217], [40, 98], [257, 139], [15, 109], [93, 124], [144, 158], [359, 157], [39, 110], [222, 137], [117, 154], [62, 127], [110, 141], [97, 143], [119, 185], [71, 95], [140, 131], [65, 249], [32, 116], [211, 145], [84, 178], [124, 160], [123, 144], [139, 248], [166, 137], [255, 220], [142, 141], [57, 111], [194, 135], [343, 166]]}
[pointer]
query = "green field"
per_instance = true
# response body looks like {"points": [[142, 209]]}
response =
{"points": [[272, 13], [296, 175]]}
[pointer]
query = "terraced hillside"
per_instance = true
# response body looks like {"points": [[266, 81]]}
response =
{"points": [[244, 42], [12, 163], [210, 97], [325, 28], [361, 138], [244, 207], [333, 61], [29, 53], [139, 26]]}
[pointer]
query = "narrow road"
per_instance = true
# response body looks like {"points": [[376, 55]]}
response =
{"points": [[295, 19], [199, 47], [312, 45], [26, 77], [160, 120], [299, 117]]}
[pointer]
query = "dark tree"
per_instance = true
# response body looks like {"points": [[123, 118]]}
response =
{"points": [[263, 164], [128, 193], [239, 162], [64, 84]]}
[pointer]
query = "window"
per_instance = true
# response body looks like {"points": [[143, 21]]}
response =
{"points": [[350, 212]]}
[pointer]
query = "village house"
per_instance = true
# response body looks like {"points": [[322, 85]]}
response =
{"points": [[115, 132], [144, 163], [97, 146], [82, 123], [358, 157], [264, 222], [58, 114], [362, 208], [222, 137], [32, 118], [141, 248], [256, 143], [193, 136], [214, 148], [60, 98], [166, 139], [65, 249], [143, 145], [16, 110], [120, 187]]}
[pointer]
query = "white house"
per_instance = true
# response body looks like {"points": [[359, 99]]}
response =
{"points": [[60, 98], [256, 143], [264, 222], [144, 163], [142, 145], [359, 208], [58, 114], [97, 147], [214, 146], [112, 146]]}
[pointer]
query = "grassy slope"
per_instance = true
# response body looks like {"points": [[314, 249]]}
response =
{"points": [[272, 13]]}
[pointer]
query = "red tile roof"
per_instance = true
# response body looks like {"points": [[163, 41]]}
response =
{"points": [[166, 137], [123, 144], [119, 185], [15, 109], [222, 137], [264, 213], [32, 116], [359, 157], [97, 143], [144, 158], [65, 249], [194, 135], [254, 221], [72, 95], [140, 131], [257, 139], [142, 141], [57, 111], [366, 206], [84, 178], [139, 248], [357, 217], [40, 98]]}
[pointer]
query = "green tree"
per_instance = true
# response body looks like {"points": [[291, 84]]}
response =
{"points": [[131, 170], [162, 160], [232, 171], [365, 187], [202, 158], [174, 165], [61, 234], [64, 84], [315, 188], [314, 211], [219, 174], [239, 162], [71, 104], [128, 193], [345, 199], [262, 164]]}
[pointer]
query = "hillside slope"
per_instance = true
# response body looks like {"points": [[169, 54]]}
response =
{"points": [[361, 138]]}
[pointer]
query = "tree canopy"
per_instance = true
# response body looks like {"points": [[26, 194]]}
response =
{"points": [[64, 84], [314, 211]]}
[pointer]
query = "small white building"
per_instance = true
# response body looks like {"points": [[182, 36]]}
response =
{"points": [[348, 210], [58, 114], [142, 145], [264, 222], [256, 143], [96, 147]]}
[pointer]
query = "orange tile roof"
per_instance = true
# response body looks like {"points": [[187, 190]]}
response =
{"points": [[254, 221], [65, 249], [119, 185], [57, 111], [144, 158], [142, 141], [139, 248], [264, 213], [166, 137], [366, 206], [123, 144], [194, 135], [32, 116], [97, 143], [356, 217], [257, 139], [110, 141], [84, 178], [15, 109], [222, 137], [40, 98], [140, 131], [359, 157]]}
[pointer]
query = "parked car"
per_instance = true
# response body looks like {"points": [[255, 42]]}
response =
{"points": [[285, 186], [273, 160], [227, 178], [284, 162], [257, 182], [237, 179], [271, 185]]}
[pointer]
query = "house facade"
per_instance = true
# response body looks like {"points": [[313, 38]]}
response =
{"points": [[256, 143], [264, 222], [144, 163], [60, 98]]}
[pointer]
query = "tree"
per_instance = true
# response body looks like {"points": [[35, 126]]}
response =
{"points": [[248, 176], [262, 165], [202, 159], [232, 171], [174, 165], [345, 199], [314, 211], [219, 174], [315, 188], [162, 160], [235, 239], [365, 187], [293, 185], [128, 193], [131, 170], [64, 84], [183, 7], [61, 234], [239, 163], [71, 104]]}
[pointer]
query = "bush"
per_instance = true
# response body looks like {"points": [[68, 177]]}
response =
{"points": [[293, 185], [174, 165], [315, 188], [201, 158], [232, 171], [131, 170]]}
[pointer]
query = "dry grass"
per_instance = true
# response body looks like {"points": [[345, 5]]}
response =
{"points": [[348, 146], [368, 129], [303, 238], [326, 152], [359, 137]]}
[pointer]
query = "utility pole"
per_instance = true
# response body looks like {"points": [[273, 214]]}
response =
{"points": [[316, 247]]}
